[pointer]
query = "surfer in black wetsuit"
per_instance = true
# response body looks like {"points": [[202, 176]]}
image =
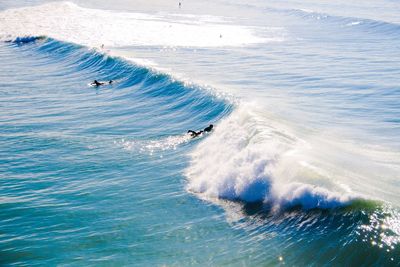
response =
{"points": [[209, 128], [194, 134], [97, 83], [206, 130]]}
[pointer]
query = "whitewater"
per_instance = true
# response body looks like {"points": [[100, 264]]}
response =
{"points": [[303, 166]]}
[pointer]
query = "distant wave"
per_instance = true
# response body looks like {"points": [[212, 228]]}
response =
{"points": [[24, 39], [366, 25]]}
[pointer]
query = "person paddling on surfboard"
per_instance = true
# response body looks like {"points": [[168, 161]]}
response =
{"points": [[97, 83], [194, 134]]}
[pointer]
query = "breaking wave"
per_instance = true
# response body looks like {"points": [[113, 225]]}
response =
{"points": [[251, 160]]}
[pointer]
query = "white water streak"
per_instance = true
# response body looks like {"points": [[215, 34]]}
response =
{"points": [[68, 22]]}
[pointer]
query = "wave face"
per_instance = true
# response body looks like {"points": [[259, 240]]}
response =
{"points": [[71, 153], [150, 85]]}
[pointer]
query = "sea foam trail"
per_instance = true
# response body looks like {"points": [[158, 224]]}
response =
{"points": [[66, 21], [248, 160]]}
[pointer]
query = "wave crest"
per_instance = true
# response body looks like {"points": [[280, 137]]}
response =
{"points": [[242, 161]]}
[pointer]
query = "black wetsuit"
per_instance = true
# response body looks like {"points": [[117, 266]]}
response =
{"points": [[96, 83], [194, 134], [206, 130], [209, 128]]}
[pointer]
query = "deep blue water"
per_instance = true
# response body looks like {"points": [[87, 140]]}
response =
{"points": [[108, 176]]}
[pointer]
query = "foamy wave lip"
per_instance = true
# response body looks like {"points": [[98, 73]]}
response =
{"points": [[68, 22], [309, 197], [241, 161]]}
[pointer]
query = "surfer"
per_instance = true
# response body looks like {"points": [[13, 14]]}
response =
{"points": [[209, 128], [194, 134], [97, 83], [206, 130]]}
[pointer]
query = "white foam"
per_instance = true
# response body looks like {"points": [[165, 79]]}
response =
{"points": [[68, 22], [143, 62], [251, 160], [307, 10], [353, 23]]}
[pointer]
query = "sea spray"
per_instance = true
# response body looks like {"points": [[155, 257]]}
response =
{"points": [[242, 159]]}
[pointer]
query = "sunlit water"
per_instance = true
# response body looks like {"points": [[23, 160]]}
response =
{"points": [[302, 168]]}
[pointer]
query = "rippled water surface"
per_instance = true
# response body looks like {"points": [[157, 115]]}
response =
{"points": [[301, 169]]}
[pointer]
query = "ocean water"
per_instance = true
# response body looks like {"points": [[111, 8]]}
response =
{"points": [[302, 168]]}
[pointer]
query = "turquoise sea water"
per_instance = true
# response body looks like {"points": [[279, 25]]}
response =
{"points": [[302, 168]]}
